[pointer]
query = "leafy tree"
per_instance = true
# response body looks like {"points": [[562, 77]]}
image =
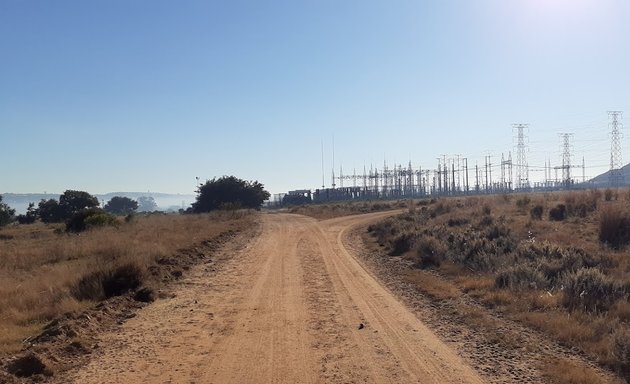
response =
{"points": [[30, 216], [7, 214], [146, 204], [70, 202], [74, 201], [229, 191], [49, 211], [120, 205]]}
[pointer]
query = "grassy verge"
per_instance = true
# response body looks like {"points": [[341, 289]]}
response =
{"points": [[45, 272], [558, 263], [332, 210]]}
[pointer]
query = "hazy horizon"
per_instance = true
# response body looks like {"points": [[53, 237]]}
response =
{"points": [[150, 95]]}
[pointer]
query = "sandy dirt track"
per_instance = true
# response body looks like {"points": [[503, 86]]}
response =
{"points": [[286, 308]]}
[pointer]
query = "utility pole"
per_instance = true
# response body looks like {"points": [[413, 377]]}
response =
{"points": [[323, 183], [439, 176], [466, 168], [333, 161], [616, 174], [476, 176]]}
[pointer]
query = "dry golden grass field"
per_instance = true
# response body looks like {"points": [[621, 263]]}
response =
{"points": [[558, 263], [46, 272]]}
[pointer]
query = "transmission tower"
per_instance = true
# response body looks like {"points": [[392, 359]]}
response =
{"points": [[522, 170], [566, 158], [616, 175]]}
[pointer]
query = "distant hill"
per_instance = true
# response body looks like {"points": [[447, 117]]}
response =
{"points": [[164, 201], [603, 180]]}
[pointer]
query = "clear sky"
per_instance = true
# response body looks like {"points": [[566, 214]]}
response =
{"points": [[147, 95]]}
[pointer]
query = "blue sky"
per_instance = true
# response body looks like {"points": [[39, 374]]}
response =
{"points": [[147, 95]]}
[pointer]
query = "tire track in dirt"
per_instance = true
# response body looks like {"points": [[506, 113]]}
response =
{"points": [[285, 308]]}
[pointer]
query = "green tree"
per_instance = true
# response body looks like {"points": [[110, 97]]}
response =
{"points": [[70, 202], [120, 205], [49, 211], [74, 201], [30, 216], [229, 191], [7, 214]]}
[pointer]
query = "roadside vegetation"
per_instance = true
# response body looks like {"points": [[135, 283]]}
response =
{"points": [[331, 210], [68, 254], [46, 271], [557, 262]]}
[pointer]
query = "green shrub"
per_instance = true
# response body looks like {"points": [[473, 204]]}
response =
{"points": [[90, 218]]}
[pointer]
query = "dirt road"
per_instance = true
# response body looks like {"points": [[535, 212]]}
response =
{"points": [[292, 306]]}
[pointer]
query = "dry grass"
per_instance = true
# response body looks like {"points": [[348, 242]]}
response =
{"points": [[569, 278], [40, 264], [564, 371], [332, 210], [431, 285]]}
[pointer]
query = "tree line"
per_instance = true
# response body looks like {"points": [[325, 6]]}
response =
{"points": [[227, 192]]}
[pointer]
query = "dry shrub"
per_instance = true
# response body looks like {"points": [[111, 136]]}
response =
{"points": [[564, 371], [614, 227], [568, 330], [104, 284], [433, 286], [521, 277], [590, 290], [430, 252], [622, 352], [580, 204], [536, 212], [621, 310], [523, 202], [403, 243], [558, 213]]}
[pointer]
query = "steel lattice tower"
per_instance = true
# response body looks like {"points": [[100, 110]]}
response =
{"points": [[566, 158], [616, 175], [522, 170]]}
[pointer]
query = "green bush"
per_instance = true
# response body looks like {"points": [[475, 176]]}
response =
{"points": [[90, 218]]}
